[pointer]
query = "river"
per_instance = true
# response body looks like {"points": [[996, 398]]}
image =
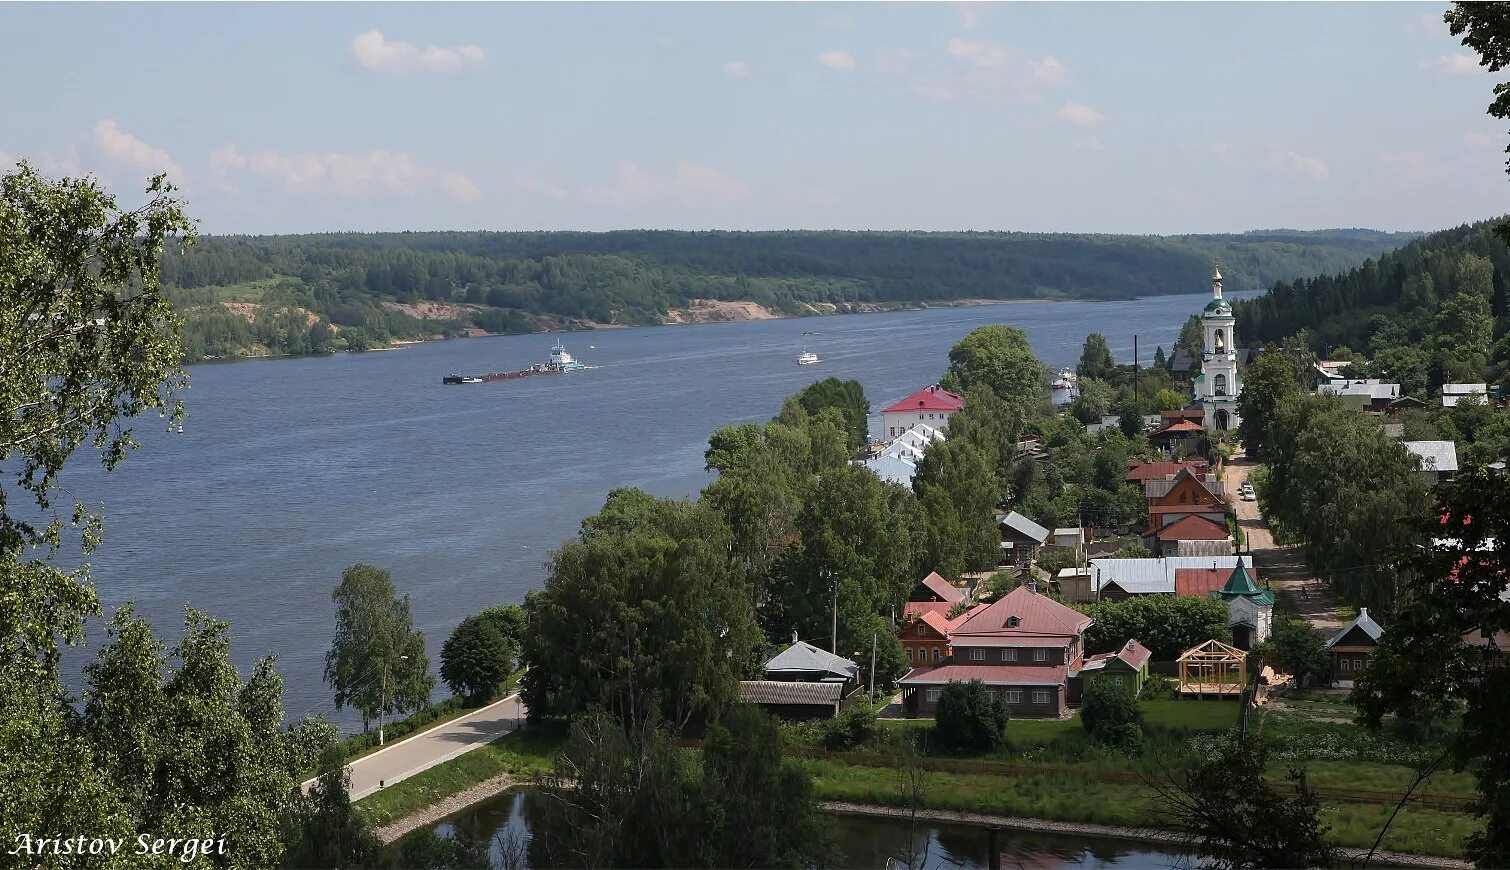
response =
{"points": [[502, 823], [289, 470]]}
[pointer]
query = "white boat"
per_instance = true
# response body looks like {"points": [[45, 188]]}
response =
{"points": [[807, 358], [1065, 388], [562, 361]]}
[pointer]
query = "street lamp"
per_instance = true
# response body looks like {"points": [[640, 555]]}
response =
{"points": [[383, 700]]}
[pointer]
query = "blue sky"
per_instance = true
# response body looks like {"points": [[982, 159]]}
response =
{"points": [[1126, 117]]}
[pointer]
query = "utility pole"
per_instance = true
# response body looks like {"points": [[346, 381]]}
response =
{"points": [[1136, 397], [833, 643], [383, 698], [874, 637]]}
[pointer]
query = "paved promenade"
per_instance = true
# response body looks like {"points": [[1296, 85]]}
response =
{"points": [[419, 752]]}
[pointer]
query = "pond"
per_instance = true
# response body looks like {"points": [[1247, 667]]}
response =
{"points": [[503, 823]]}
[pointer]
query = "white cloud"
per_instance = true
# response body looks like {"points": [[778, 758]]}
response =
{"points": [[969, 15], [1460, 64], [375, 174], [979, 52], [1273, 158], [1427, 24], [1478, 140], [374, 52], [985, 71], [1080, 113], [837, 59], [737, 68], [1309, 166], [1415, 168], [526, 181], [691, 184], [123, 147]]}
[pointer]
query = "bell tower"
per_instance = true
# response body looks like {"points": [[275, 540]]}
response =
{"points": [[1219, 383]]}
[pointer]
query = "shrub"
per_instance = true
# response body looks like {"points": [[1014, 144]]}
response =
{"points": [[854, 727], [1160, 689], [1110, 713], [969, 718]]}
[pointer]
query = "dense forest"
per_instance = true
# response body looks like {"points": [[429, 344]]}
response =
{"points": [[350, 291], [1432, 312]]}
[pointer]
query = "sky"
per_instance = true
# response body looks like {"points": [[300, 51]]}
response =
{"points": [[1051, 117]]}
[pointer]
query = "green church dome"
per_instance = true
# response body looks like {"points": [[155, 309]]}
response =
{"points": [[1218, 308]]}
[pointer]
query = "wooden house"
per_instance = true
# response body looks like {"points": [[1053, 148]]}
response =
{"points": [[1351, 648]]}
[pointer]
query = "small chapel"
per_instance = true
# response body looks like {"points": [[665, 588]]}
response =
{"points": [[1220, 382]]}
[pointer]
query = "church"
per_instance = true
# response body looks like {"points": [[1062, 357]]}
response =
{"points": [[1219, 384]]}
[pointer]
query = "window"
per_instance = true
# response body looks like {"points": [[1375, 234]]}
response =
{"points": [[936, 655], [1357, 664], [1007, 658], [1040, 655], [1219, 383], [1014, 696], [977, 655], [908, 651], [922, 629], [932, 695], [1221, 344], [1040, 696], [1013, 622], [1347, 665]]}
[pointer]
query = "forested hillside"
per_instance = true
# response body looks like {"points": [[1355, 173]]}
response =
{"points": [[1426, 314], [321, 292]]}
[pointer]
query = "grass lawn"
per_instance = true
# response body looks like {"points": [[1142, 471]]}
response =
{"points": [[522, 753], [1081, 799]]}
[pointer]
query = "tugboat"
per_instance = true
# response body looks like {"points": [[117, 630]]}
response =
{"points": [[808, 358], [561, 361]]}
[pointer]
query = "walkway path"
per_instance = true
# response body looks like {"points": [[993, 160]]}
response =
{"points": [[1284, 567], [401, 760]]}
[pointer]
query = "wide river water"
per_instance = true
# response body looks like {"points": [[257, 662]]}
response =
{"points": [[289, 470]]}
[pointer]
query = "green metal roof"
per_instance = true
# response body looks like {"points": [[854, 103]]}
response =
{"points": [[1241, 585], [1218, 307]]}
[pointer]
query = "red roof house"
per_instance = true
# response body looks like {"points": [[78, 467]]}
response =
{"points": [[932, 405], [1137, 472], [1023, 646]]}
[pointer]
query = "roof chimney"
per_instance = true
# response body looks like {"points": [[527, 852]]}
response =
{"points": [[1363, 613], [794, 635]]}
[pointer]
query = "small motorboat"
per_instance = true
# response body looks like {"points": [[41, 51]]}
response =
{"points": [[808, 358]]}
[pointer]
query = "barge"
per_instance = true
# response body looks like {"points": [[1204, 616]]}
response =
{"points": [[559, 362]]}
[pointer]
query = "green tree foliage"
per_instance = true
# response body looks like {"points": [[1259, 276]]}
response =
{"points": [[1453, 589], [1096, 358], [1109, 712], [1348, 491], [1230, 815], [1192, 336], [1406, 310], [1299, 649], [999, 358], [1159, 360], [377, 662], [969, 719], [641, 615], [848, 397], [838, 547], [322, 828], [1167, 625], [476, 658], [627, 796], [1094, 402], [957, 488], [523, 282], [1271, 379]]}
